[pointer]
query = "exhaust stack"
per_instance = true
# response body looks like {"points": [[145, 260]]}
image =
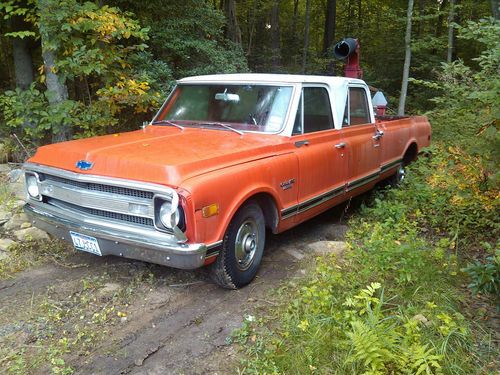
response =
{"points": [[348, 49]]}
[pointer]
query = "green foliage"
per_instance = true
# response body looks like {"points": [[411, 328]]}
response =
{"points": [[468, 105], [413, 241], [485, 276], [189, 38]]}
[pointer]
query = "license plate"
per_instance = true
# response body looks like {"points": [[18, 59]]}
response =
{"points": [[85, 243]]}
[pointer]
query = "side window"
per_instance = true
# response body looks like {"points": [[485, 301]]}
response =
{"points": [[358, 108], [317, 112], [317, 109]]}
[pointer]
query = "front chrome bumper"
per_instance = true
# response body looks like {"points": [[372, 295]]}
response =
{"points": [[121, 240]]}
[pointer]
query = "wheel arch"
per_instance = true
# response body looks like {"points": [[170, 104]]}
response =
{"points": [[411, 153], [266, 201]]}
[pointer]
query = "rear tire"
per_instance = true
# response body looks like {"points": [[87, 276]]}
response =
{"points": [[398, 178], [242, 248]]}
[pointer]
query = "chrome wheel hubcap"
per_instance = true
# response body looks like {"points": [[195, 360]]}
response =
{"points": [[401, 174], [247, 240]]}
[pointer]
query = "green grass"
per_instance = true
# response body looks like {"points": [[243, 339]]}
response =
{"points": [[395, 302]]}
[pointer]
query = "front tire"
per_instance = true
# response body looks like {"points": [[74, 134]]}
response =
{"points": [[242, 248]]}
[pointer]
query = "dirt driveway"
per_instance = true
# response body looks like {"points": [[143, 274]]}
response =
{"points": [[91, 315]]}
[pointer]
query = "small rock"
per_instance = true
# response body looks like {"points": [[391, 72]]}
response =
{"points": [[336, 232], [4, 154], [25, 225], [328, 247], [109, 289], [18, 189], [4, 255], [296, 254], [34, 234], [4, 216], [123, 319], [16, 221], [19, 204], [422, 319], [14, 175], [5, 244]]}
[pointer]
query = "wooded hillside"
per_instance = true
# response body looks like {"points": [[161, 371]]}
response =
{"points": [[77, 68]]}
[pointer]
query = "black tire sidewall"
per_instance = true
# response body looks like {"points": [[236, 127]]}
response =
{"points": [[239, 277]]}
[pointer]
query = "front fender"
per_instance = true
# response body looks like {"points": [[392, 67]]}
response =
{"points": [[231, 187]]}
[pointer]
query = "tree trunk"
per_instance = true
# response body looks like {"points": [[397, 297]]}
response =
{"points": [[252, 28], [451, 38], [329, 35], [495, 11], [57, 91], [233, 31], [306, 36], [439, 25], [421, 12], [330, 26], [275, 36], [406, 67], [293, 41], [23, 63]]}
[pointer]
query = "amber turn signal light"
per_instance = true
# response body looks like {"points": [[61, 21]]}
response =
{"points": [[210, 210]]}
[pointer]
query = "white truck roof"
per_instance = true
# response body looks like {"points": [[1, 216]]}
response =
{"points": [[271, 78], [337, 85]]}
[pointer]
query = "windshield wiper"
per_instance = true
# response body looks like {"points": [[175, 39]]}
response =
{"points": [[168, 123], [222, 125]]}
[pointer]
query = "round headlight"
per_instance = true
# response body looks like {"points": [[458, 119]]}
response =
{"points": [[166, 218], [32, 186]]}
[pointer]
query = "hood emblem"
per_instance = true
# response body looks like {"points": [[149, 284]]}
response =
{"points": [[84, 165]]}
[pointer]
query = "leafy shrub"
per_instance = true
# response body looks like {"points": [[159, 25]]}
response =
{"points": [[486, 276]]}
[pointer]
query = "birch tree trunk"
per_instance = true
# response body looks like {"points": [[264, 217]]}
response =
{"points": [[406, 67], [306, 36]]}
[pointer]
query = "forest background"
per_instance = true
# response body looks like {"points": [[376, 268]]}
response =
{"points": [[71, 69]]}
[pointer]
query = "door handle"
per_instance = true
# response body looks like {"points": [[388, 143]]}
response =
{"points": [[378, 135], [340, 145], [305, 142]]}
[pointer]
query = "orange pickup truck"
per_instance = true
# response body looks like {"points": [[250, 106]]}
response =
{"points": [[224, 159]]}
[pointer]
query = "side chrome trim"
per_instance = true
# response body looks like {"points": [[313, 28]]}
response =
{"points": [[362, 181], [288, 212], [390, 165], [311, 203]]}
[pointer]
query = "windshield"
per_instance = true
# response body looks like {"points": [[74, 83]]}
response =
{"points": [[257, 108]]}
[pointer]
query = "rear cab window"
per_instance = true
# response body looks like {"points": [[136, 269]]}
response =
{"points": [[357, 109]]}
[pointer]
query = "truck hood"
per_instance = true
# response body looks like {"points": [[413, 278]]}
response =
{"points": [[159, 154]]}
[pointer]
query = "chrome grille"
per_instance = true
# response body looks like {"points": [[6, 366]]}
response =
{"points": [[101, 213], [99, 187], [110, 202]]}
